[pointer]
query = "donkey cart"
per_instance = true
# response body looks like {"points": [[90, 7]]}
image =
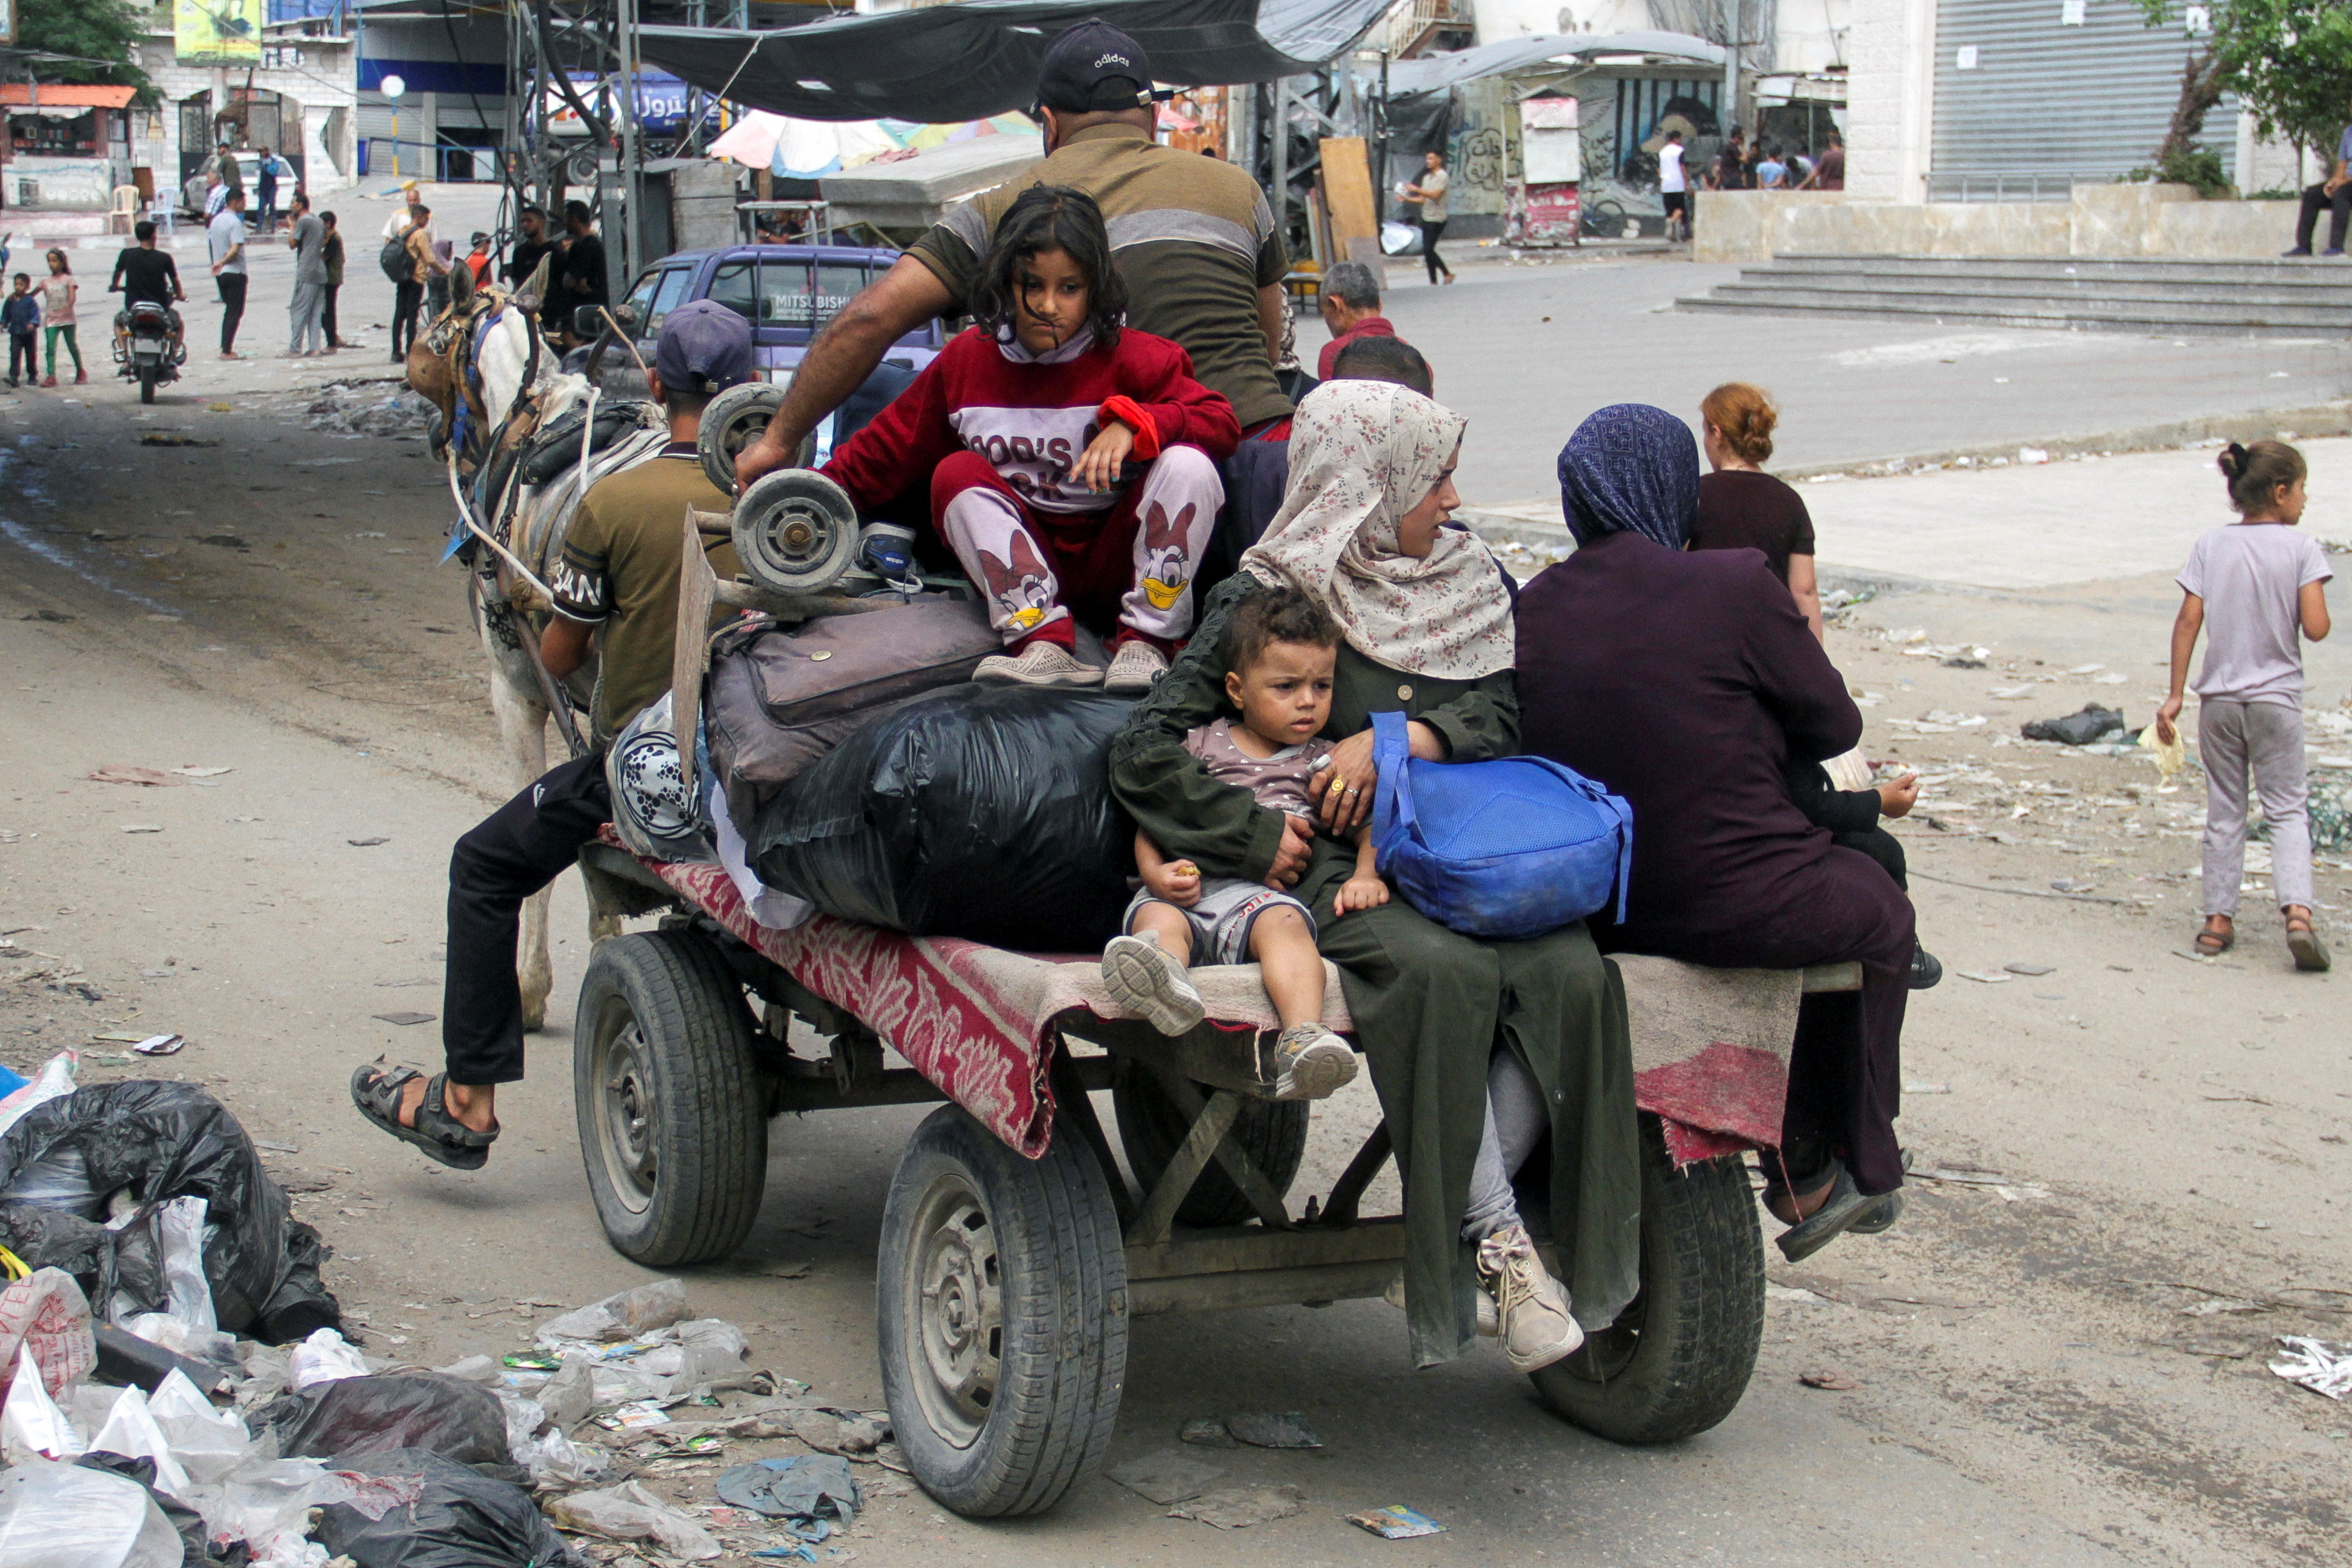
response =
{"points": [[1013, 1250]]}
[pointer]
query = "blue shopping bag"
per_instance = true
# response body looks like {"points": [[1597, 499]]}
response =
{"points": [[1509, 848]]}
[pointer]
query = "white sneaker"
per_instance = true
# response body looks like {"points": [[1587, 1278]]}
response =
{"points": [[1039, 664], [1530, 1309], [1145, 979], [1315, 1062], [1135, 666], [1394, 1296]]}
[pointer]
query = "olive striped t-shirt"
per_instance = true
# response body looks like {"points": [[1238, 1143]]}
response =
{"points": [[1192, 237]]}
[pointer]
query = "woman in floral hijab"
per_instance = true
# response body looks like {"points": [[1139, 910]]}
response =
{"points": [[1426, 620]]}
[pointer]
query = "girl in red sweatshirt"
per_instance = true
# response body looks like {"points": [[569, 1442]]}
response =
{"points": [[1073, 461]]}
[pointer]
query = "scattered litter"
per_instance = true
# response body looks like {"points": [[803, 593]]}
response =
{"points": [[1917, 1085], [638, 1415], [1208, 1433], [2224, 1350], [629, 1512], [359, 1414], [801, 1490], [620, 1316], [193, 772], [117, 772], [2091, 724], [324, 1357], [1286, 1430], [1828, 1378], [161, 1045], [2012, 693], [2033, 969], [1396, 1522], [66, 1516], [2066, 885], [2316, 1364], [157, 439], [366, 843], [405, 1018], [409, 1509], [140, 827], [1986, 977], [362, 411], [1168, 1475], [1238, 1508]]}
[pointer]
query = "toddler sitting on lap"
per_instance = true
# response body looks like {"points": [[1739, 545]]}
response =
{"points": [[1280, 650]]}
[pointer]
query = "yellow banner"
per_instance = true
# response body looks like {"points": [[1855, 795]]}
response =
{"points": [[217, 32]]}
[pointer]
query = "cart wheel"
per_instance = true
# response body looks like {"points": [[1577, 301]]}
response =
{"points": [[1000, 1307], [735, 418], [1273, 1131], [673, 1123], [795, 531], [1678, 1358]]}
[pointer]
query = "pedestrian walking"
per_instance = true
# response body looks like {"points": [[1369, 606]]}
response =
{"points": [[2260, 586], [424, 267], [1674, 188], [264, 188], [306, 313], [21, 314], [226, 235], [60, 294], [330, 256], [1829, 170], [2335, 195], [1429, 192]]}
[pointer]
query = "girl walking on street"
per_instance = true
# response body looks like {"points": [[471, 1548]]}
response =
{"points": [[2259, 583], [58, 293], [1430, 194]]}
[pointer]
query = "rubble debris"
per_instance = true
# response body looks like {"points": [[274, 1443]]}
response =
{"points": [[1208, 1433], [1238, 1508], [1828, 1378], [365, 410]]}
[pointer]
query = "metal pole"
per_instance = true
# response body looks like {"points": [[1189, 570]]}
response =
{"points": [[1380, 132], [1730, 66], [633, 173], [1280, 186]]}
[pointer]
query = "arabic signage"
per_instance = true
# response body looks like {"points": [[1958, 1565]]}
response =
{"points": [[216, 32]]}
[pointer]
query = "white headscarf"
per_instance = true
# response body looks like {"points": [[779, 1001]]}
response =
{"points": [[1363, 454]]}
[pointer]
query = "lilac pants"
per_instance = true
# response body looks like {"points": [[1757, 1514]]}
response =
{"points": [[2264, 738]]}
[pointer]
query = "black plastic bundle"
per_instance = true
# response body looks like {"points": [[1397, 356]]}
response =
{"points": [[65, 1164], [981, 812]]}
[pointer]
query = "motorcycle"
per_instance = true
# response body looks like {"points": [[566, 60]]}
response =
{"points": [[146, 352]]}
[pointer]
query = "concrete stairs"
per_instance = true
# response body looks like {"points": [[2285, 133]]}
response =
{"points": [[2286, 297]]}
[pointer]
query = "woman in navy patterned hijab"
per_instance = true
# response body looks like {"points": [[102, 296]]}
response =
{"points": [[1631, 469]]}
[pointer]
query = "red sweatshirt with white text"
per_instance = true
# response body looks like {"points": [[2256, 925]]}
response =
{"points": [[1032, 417]]}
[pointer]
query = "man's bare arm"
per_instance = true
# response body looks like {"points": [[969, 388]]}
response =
{"points": [[844, 355], [1272, 311]]}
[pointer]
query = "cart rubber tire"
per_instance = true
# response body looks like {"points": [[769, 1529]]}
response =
{"points": [[794, 530], [1678, 1358], [1273, 1132], [666, 1088], [732, 421], [983, 1250]]}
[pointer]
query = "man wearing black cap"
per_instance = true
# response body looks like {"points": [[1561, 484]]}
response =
{"points": [[617, 583], [1193, 238]]}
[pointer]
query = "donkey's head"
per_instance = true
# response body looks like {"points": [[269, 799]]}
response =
{"points": [[478, 356]]}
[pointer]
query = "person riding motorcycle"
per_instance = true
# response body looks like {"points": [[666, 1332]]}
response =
{"points": [[143, 272]]}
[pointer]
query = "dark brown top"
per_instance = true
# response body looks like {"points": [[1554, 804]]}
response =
{"points": [[1739, 509]]}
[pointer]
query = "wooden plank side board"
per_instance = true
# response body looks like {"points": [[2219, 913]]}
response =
{"points": [[1348, 191]]}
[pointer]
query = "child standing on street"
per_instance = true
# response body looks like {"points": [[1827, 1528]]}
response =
{"points": [[59, 294], [2259, 582], [1071, 460], [22, 315], [1280, 650]]}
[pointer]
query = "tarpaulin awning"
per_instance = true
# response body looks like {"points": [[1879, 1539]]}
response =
{"points": [[65, 95], [970, 61], [1438, 72]]}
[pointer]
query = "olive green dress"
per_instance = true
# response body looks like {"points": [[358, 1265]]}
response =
{"points": [[1430, 1005]]}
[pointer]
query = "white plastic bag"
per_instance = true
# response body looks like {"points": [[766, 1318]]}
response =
{"points": [[620, 1316], [325, 1357], [31, 1425], [56, 1078], [179, 1231], [62, 1516], [130, 1430], [209, 1443], [629, 1512], [46, 1314], [266, 1503]]}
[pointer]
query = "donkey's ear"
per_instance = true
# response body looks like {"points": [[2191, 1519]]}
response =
{"points": [[461, 284], [533, 292]]}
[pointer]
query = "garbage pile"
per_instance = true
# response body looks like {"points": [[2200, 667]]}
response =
{"points": [[368, 409]]}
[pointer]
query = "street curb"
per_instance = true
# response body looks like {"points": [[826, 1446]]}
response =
{"points": [[2302, 421]]}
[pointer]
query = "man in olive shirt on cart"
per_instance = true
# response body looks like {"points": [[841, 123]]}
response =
{"points": [[1192, 237], [618, 583]]}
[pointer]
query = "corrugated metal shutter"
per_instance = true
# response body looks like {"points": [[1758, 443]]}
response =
{"points": [[375, 121], [2090, 101]]}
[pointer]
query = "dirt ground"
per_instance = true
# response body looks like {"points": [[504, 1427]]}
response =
{"points": [[2059, 1359]]}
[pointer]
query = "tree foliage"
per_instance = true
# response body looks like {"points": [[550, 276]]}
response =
{"points": [[103, 31]]}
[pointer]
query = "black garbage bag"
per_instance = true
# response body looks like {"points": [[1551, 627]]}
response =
{"points": [[2076, 729], [462, 1520], [983, 812], [197, 1549], [422, 1410], [65, 1163]]}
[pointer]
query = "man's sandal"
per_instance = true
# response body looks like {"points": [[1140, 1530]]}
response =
{"points": [[2302, 940], [2213, 943], [1845, 1205], [375, 1089]]}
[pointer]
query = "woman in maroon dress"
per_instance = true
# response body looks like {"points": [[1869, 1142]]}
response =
{"points": [[1687, 682]]}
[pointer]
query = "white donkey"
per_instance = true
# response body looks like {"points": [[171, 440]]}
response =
{"points": [[521, 441]]}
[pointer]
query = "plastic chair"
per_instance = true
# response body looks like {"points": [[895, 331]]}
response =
{"points": [[125, 209], [160, 211]]}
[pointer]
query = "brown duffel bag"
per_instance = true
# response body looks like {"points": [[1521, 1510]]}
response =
{"points": [[778, 699]]}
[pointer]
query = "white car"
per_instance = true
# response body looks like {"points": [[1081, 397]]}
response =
{"points": [[248, 166]]}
